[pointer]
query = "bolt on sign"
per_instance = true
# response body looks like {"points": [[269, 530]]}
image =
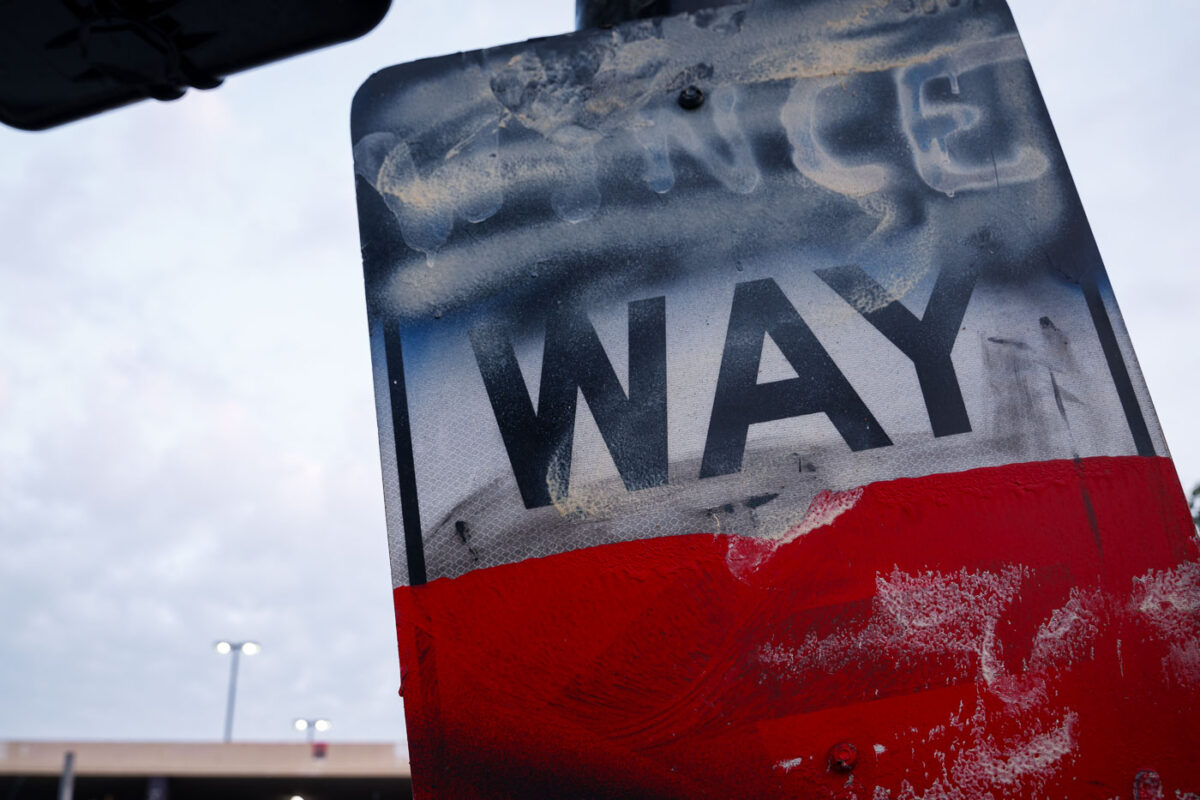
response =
{"points": [[757, 421]]}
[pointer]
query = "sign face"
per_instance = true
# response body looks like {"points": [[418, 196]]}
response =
{"points": [[757, 421]]}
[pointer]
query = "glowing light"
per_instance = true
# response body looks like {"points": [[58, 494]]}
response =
{"points": [[251, 648], [224, 648]]}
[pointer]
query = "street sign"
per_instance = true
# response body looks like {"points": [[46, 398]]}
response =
{"points": [[757, 420]]}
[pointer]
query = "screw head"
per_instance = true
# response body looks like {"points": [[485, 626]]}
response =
{"points": [[1147, 785], [843, 757], [691, 98]]}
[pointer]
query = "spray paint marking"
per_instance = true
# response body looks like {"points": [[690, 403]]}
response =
{"points": [[963, 626]]}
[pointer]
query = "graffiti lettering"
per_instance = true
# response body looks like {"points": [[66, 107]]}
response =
{"points": [[932, 127]]}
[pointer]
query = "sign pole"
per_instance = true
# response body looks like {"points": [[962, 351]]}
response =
{"points": [[66, 781], [232, 697], [601, 13]]}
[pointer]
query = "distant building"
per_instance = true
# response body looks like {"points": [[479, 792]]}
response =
{"points": [[193, 770]]}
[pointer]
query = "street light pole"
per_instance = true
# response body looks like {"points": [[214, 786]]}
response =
{"points": [[234, 650], [233, 670]]}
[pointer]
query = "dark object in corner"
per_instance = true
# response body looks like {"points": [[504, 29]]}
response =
{"points": [[61, 60]]}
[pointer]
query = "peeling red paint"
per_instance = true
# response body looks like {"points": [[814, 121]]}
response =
{"points": [[1016, 632]]}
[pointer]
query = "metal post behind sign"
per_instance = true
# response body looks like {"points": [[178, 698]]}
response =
{"points": [[599, 13], [66, 783], [156, 788]]}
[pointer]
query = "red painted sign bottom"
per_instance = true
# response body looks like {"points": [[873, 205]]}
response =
{"points": [[1029, 631]]}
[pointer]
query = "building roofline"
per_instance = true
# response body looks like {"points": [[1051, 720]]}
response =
{"points": [[206, 759]]}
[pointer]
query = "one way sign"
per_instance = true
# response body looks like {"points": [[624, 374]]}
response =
{"points": [[757, 421]]}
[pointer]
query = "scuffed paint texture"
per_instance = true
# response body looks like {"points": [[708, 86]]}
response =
{"points": [[503, 145], [1169, 602], [1014, 632], [747, 555]]}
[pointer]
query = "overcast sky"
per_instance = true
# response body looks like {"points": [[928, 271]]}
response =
{"points": [[187, 430]]}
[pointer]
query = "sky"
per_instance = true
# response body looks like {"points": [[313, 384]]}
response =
{"points": [[188, 449]]}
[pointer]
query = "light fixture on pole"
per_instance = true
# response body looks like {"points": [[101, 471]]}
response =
{"points": [[234, 649], [312, 726]]}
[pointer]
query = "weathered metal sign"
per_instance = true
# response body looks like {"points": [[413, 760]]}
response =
{"points": [[757, 421]]}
